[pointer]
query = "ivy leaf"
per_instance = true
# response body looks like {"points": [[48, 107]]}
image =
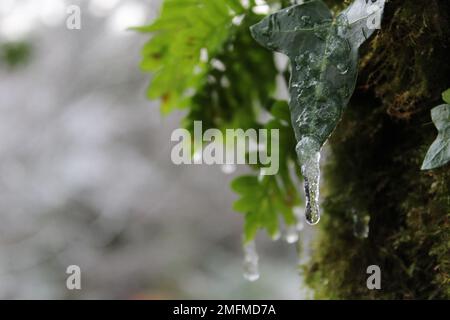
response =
{"points": [[280, 110], [264, 200], [439, 152], [230, 98], [324, 55], [184, 29], [446, 96]]}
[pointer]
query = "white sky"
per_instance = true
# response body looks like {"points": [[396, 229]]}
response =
{"points": [[18, 18]]}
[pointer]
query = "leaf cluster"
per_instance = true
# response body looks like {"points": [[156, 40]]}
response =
{"points": [[204, 60]]}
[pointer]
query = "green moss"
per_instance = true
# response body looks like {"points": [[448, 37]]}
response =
{"points": [[374, 167]]}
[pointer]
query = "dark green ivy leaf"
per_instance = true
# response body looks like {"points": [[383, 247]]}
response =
{"points": [[324, 55]]}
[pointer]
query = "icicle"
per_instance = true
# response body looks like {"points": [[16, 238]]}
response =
{"points": [[299, 214], [308, 151], [302, 256], [251, 269], [291, 234], [228, 168]]}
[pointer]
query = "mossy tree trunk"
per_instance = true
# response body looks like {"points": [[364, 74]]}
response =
{"points": [[374, 168]]}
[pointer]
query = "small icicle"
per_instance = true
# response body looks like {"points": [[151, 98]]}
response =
{"points": [[302, 257], [308, 151], [228, 168], [251, 269], [291, 234], [299, 213], [276, 236]]}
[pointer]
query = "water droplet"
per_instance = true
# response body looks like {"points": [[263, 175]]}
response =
{"points": [[308, 151], [342, 68], [225, 82], [305, 20], [342, 24], [360, 224], [228, 168], [251, 269], [291, 234], [299, 213], [311, 83], [312, 59], [320, 32], [276, 236], [300, 59], [344, 91], [265, 32]]}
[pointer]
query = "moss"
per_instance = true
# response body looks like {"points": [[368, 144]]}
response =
{"points": [[374, 167]]}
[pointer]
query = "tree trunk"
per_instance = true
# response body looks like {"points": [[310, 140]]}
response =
{"points": [[374, 171]]}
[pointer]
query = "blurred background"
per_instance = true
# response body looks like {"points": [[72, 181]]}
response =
{"points": [[86, 176]]}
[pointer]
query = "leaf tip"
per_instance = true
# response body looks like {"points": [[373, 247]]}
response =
{"points": [[446, 96]]}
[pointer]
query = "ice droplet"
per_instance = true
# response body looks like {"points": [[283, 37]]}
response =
{"points": [[291, 234], [360, 224], [342, 68], [308, 151], [320, 32], [251, 269], [299, 213], [197, 157], [305, 21], [228, 168], [276, 236]]}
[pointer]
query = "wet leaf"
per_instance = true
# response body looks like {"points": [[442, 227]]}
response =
{"points": [[446, 96], [280, 110], [324, 54], [439, 152]]}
